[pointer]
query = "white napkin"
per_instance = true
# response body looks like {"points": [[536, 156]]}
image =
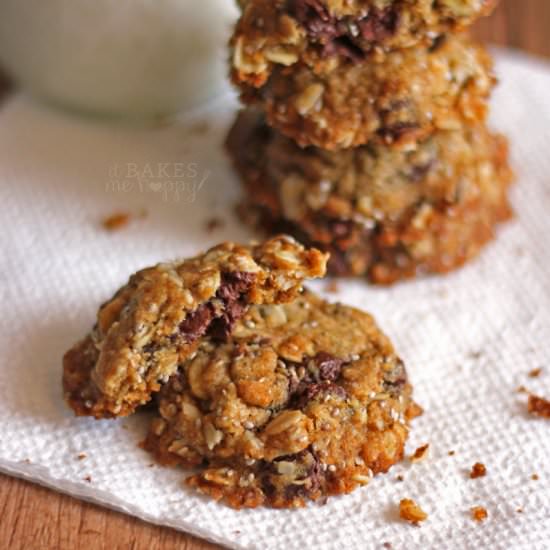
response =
{"points": [[469, 339]]}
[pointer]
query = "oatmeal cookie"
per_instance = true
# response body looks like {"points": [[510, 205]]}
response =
{"points": [[158, 318], [395, 98], [321, 33], [384, 213], [305, 400]]}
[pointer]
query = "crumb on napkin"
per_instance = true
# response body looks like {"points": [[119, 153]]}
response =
{"points": [[479, 513], [421, 453], [538, 406], [478, 470], [411, 512]]}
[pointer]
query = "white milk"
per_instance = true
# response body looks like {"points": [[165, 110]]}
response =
{"points": [[132, 58]]}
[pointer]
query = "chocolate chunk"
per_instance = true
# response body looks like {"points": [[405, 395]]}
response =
{"points": [[315, 17], [344, 47], [234, 285], [332, 34], [197, 322], [328, 365], [232, 288], [379, 24], [419, 172], [322, 371], [312, 391], [395, 378], [395, 132], [336, 35], [311, 481]]}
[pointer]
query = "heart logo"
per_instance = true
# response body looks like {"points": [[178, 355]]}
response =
{"points": [[155, 186]]}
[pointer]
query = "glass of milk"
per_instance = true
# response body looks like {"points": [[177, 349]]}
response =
{"points": [[124, 58]]}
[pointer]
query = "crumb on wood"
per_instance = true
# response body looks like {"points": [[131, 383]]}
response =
{"points": [[81, 456], [213, 224], [116, 221], [478, 470], [479, 513], [534, 477], [421, 453], [411, 512], [88, 479], [332, 286], [535, 373], [451, 453], [538, 406]]}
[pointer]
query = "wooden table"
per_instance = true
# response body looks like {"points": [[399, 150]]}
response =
{"points": [[32, 517]]}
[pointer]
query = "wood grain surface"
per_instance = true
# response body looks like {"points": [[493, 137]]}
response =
{"points": [[34, 518]]}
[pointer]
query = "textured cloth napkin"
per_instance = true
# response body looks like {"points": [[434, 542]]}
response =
{"points": [[468, 339]]}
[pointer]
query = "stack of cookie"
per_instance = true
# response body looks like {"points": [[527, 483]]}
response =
{"points": [[365, 134]]}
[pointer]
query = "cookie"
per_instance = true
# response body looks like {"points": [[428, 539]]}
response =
{"points": [[159, 317], [384, 213], [324, 33], [395, 98], [305, 400]]}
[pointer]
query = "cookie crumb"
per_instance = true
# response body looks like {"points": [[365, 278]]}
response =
{"points": [[213, 224], [81, 456], [399, 478], [332, 287], [411, 512], [522, 389], [479, 513], [519, 510], [478, 470], [538, 406], [414, 410], [88, 479], [421, 453], [387, 545], [534, 477], [116, 221], [451, 453], [475, 354], [535, 373]]}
